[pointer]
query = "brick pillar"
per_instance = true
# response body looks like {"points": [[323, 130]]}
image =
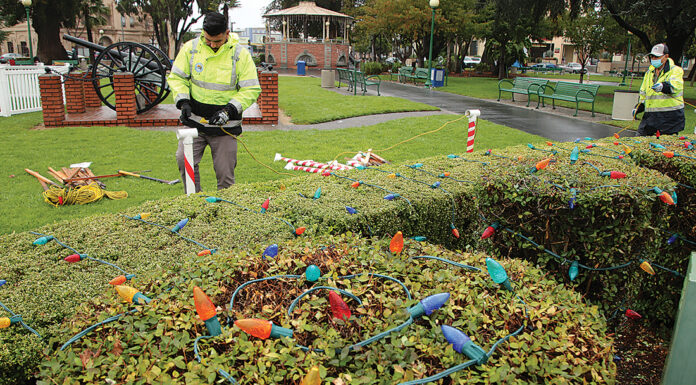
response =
{"points": [[52, 100], [268, 101], [74, 93], [124, 87], [91, 98]]}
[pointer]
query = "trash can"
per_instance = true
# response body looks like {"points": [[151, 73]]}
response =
{"points": [[437, 77], [327, 79], [301, 67], [624, 101]]}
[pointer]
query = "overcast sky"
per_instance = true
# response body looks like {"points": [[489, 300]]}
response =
{"points": [[249, 14]]}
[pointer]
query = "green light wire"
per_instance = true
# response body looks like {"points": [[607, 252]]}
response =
{"points": [[81, 254], [223, 373], [21, 321], [315, 288], [373, 185], [463, 266], [171, 231]]}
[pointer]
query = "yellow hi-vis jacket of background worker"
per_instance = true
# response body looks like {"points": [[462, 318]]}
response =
{"points": [[215, 78], [658, 101]]}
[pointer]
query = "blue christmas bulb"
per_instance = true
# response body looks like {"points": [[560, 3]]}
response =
{"points": [[351, 210], [390, 197], [271, 251], [212, 199], [573, 195], [497, 273], [435, 185], [434, 302], [462, 344], [577, 140], [43, 240], [673, 238], [180, 225], [573, 270], [574, 154], [2, 282]]}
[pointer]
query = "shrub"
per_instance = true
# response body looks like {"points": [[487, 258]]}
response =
{"points": [[155, 344], [372, 68]]}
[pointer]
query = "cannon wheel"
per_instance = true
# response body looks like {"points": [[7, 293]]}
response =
{"points": [[164, 59], [149, 73]]}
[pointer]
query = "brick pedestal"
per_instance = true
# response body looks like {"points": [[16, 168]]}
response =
{"points": [[74, 93], [52, 100], [91, 98], [268, 101], [124, 87]]}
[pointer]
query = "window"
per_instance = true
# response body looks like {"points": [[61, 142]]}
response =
{"points": [[24, 48], [10, 47], [474, 48]]}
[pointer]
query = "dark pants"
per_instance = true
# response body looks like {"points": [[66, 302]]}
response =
{"points": [[223, 148], [668, 122]]}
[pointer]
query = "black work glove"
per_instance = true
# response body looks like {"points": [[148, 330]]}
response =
{"points": [[223, 116], [185, 106], [640, 107]]}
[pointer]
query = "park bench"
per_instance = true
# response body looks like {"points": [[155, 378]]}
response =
{"points": [[405, 73], [364, 81], [570, 92], [345, 76], [420, 74], [522, 85]]}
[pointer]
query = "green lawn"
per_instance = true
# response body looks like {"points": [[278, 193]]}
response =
{"points": [[303, 99], [113, 148], [487, 88]]}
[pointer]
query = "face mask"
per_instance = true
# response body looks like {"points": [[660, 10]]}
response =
{"points": [[657, 63]]}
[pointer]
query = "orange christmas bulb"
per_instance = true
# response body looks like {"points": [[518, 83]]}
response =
{"points": [[118, 280], [204, 306], [668, 154], [300, 230], [616, 135], [549, 144], [355, 184], [204, 252], [256, 327], [397, 243], [447, 173], [666, 198], [455, 232], [645, 265], [542, 164]]}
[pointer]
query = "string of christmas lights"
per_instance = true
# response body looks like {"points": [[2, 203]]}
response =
{"points": [[357, 183], [175, 230], [264, 207]]}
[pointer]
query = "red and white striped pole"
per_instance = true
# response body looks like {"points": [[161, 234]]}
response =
{"points": [[310, 163], [323, 171], [185, 136], [473, 117]]}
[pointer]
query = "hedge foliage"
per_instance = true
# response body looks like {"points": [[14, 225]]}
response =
{"points": [[608, 226], [155, 344]]}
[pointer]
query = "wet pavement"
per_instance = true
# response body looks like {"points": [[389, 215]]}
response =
{"points": [[548, 125]]}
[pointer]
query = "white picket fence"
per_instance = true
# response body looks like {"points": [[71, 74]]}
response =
{"points": [[19, 88]]}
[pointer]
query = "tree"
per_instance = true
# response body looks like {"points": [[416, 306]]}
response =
{"points": [[47, 18], [93, 13], [670, 21], [588, 35]]}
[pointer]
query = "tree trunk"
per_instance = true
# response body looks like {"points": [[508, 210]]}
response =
{"points": [[88, 28], [47, 27], [449, 56], [501, 63]]}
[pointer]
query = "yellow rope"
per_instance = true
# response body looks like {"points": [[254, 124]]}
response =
{"points": [[236, 137], [409, 139], [81, 195]]}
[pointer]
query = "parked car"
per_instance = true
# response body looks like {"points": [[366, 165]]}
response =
{"points": [[545, 66], [5, 58], [575, 68], [471, 61]]}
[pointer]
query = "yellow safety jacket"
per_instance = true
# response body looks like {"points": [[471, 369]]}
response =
{"points": [[661, 101], [215, 78]]}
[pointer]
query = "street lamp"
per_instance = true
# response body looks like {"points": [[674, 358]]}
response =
{"points": [[433, 4], [27, 6], [623, 81], [123, 25]]}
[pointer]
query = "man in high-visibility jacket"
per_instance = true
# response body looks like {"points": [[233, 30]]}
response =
{"points": [[213, 80], [661, 95]]}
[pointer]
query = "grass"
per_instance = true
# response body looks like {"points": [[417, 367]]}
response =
{"points": [[487, 88], [113, 148], [306, 102]]}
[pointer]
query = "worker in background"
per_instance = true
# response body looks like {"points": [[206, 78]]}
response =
{"points": [[213, 80], [661, 95]]}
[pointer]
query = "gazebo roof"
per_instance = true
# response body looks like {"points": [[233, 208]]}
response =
{"points": [[308, 8]]}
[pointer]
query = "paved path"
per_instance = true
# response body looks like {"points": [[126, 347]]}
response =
{"points": [[548, 125]]}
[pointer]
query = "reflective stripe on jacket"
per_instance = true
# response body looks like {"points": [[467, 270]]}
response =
{"points": [[659, 101], [215, 78]]}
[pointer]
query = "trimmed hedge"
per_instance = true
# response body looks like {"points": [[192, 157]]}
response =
{"points": [[568, 342], [45, 290]]}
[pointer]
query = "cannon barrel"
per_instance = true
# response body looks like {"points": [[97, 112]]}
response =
{"points": [[149, 64]]}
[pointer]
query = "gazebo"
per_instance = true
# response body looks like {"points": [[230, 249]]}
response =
{"points": [[298, 24]]}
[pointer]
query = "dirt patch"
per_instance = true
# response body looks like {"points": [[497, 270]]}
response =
{"points": [[283, 119], [640, 354]]}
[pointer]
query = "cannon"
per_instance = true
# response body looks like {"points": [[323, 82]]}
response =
{"points": [[148, 64]]}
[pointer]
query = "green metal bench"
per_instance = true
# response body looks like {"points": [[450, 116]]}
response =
{"points": [[364, 81], [405, 73], [346, 76], [570, 92], [522, 85], [420, 74]]}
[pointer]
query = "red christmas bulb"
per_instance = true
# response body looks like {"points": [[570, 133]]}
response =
{"points": [[682, 137], [620, 156], [266, 203], [73, 258], [300, 230], [617, 175], [657, 134], [339, 308], [490, 230], [632, 314], [355, 184], [616, 143], [668, 154], [589, 146], [326, 173], [666, 198], [455, 232]]}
